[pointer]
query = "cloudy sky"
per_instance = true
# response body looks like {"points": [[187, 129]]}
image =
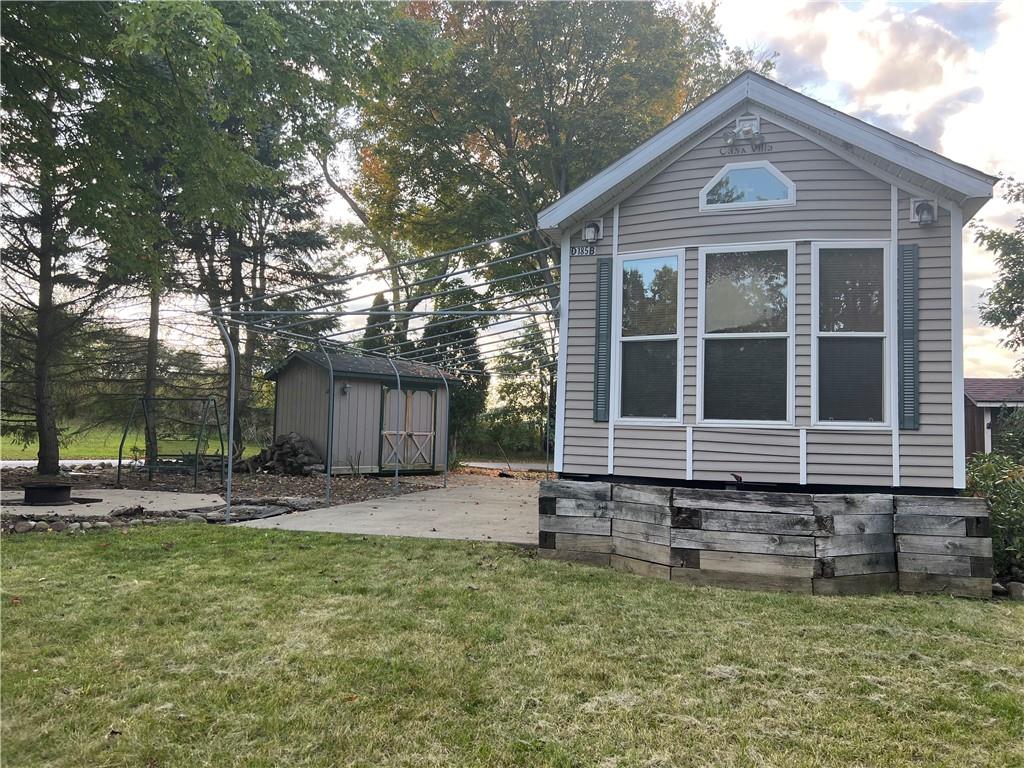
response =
{"points": [[945, 75]]}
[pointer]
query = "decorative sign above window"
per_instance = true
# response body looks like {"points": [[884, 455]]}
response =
{"points": [[745, 138]]}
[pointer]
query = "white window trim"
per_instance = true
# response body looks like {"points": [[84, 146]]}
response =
{"points": [[616, 353], [790, 200], [789, 334], [886, 335]]}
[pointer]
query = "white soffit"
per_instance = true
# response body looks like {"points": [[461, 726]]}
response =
{"points": [[968, 187]]}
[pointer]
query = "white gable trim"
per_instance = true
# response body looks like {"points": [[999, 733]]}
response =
{"points": [[965, 182]]}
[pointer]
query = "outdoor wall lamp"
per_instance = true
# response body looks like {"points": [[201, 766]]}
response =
{"points": [[592, 231], [923, 212], [345, 388]]}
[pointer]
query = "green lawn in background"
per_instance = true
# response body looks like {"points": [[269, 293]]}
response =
{"points": [[102, 443], [195, 645]]}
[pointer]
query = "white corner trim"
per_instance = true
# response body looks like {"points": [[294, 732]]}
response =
{"points": [[986, 423], [790, 198], [563, 351], [803, 457], [892, 322], [689, 452], [613, 352], [956, 276]]}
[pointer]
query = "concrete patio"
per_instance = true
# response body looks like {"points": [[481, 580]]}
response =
{"points": [[472, 507]]}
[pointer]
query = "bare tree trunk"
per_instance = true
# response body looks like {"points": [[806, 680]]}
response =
{"points": [[46, 332], [47, 321], [152, 352]]}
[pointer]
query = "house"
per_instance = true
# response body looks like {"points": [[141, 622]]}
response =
{"points": [[767, 290], [387, 415], [984, 401]]}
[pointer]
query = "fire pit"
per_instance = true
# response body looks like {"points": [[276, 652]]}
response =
{"points": [[47, 494]]}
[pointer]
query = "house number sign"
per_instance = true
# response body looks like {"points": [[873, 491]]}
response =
{"points": [[583, 250]]}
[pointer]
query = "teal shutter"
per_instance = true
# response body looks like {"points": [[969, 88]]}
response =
{"points": [[909, 369], [603, 340]]}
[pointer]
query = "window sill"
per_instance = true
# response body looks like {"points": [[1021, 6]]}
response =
{"points": [[850, 426], [647, 422], [745, 424]]}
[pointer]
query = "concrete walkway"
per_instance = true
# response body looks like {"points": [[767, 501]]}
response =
{"points": [[108, 499], [472, 507]]}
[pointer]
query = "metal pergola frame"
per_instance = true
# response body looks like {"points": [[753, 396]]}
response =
{"points": [[507, 310]]}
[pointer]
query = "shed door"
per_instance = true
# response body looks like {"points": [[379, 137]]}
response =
{"points": [[408, 423]]}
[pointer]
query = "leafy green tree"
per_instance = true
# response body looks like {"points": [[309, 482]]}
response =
{"points": [[525, 102], [1003, 305], [377, 335], [525, 382]]}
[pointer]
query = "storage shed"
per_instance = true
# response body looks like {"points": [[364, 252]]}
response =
{"points": [[382, 422], [985, 402], [768, 290]]}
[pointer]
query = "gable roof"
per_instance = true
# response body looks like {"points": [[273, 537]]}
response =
{"points": [[994, 390], [363, 367], [883, 151]]}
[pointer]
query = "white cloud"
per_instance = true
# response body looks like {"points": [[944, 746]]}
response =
{"points": [[945, 75]]}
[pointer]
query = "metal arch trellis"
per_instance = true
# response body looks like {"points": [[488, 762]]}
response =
{"points": [[507, 310]]}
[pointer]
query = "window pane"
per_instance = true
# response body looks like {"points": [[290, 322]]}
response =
{"points": [[745, 379], [649, 379], [851, 289], [649, 288], [851, 379], [747, 185], [746, 292]]}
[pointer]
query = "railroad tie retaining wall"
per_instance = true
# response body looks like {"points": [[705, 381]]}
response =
{"points": [[811, 543]]}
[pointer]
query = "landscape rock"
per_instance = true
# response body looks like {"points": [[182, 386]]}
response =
{"points": [[125, 511], [86, 526], [999, 590], [101, 524], [195, 517], [24, 526], [1016, 589], [74, 527], [58, 525], [41, 525]]}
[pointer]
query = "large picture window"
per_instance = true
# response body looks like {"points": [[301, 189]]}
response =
{"points": [[649, 338], [850, 333], [746, 328]]}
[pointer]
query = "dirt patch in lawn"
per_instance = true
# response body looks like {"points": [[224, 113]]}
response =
{"points": [[245, 486]]}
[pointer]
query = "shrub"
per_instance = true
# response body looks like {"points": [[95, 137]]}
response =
{"points": [[1000, 480], [1008, 433]]}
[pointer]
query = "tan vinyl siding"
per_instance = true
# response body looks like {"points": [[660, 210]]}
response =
{"points": [[802, 366], [853, 457], [650, 452], [585, 448], [835, 200], [926, 455], [757, 455]]}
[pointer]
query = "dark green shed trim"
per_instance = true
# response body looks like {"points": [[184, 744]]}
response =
{"points": [[909, 365], [603, 340]]}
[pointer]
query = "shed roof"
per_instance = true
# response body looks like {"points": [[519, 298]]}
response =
{"points": [[878, 151], [363, 367], [997, 391]]}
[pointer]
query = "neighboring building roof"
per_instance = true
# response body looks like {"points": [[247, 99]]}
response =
{"points": [[364, 367], [900, 161], [994, 391]]}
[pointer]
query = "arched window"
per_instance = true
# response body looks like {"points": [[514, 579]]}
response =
{"points": [[740, 186]]}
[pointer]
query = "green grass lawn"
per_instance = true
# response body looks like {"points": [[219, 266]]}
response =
{"points": [[190, 645], [102, 443]]}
